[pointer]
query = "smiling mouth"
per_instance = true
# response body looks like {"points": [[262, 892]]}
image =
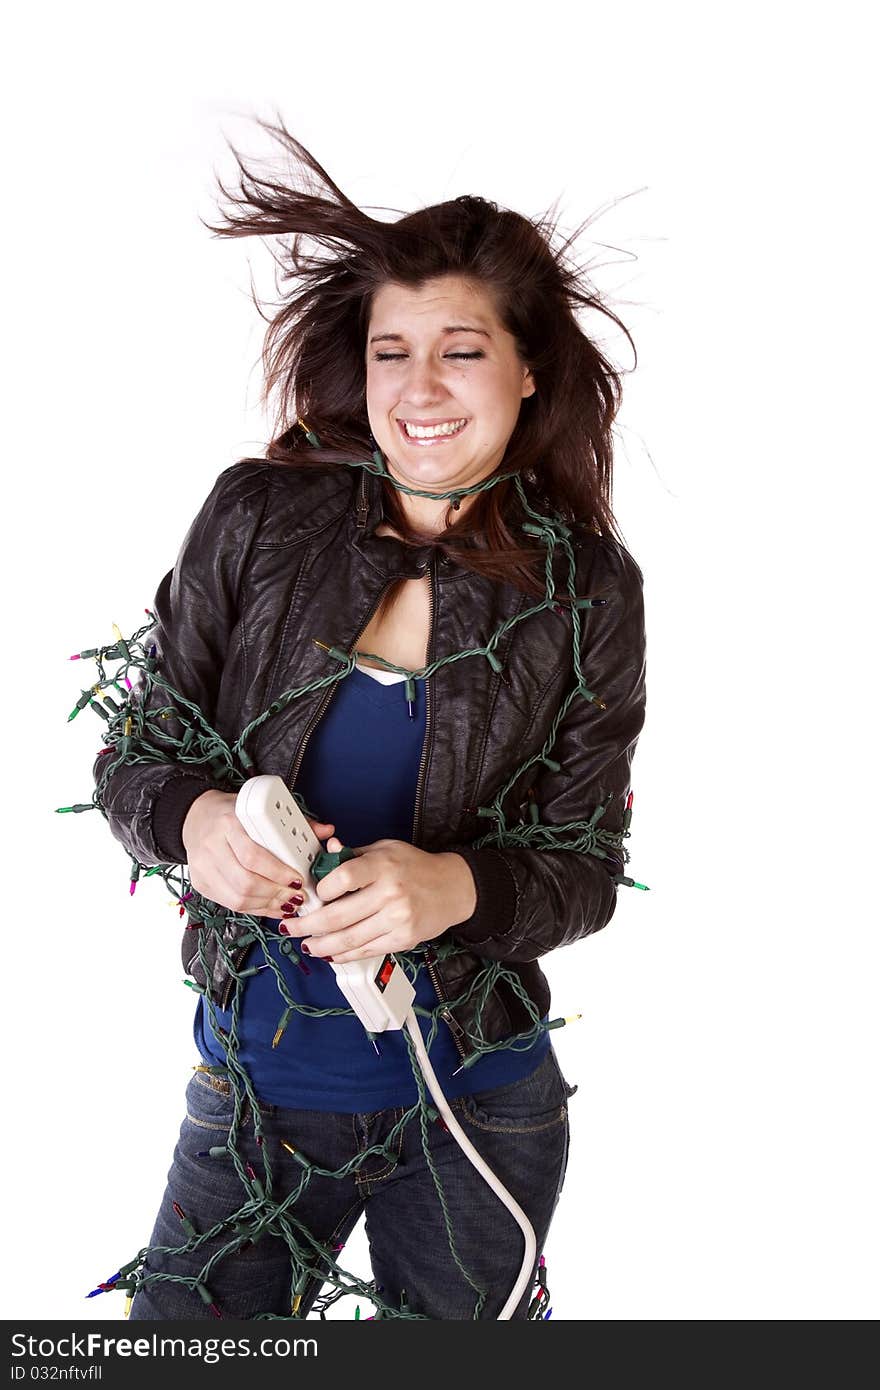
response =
{"points": [[431, 434]]}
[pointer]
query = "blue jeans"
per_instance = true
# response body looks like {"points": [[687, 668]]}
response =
{"points": [[520, 1129]]}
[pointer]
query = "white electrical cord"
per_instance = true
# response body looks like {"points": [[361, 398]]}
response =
{"points": [[467, 1148], [377, 1000]]}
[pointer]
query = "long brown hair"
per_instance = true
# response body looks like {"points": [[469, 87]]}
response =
{"points": [[313, 351]]}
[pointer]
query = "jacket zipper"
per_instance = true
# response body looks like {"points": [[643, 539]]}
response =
{"points": [[446, 1014], [451, 1022], [420, 781]]}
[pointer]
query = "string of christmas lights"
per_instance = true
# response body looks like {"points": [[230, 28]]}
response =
{"points": [[138, 731]]}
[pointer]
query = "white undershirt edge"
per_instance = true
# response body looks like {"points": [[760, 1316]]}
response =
{"points": [[384, 677]]}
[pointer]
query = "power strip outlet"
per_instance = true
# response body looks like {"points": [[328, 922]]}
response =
{"points": [[375, 987]]}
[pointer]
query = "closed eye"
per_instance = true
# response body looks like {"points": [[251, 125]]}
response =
{"points": [[399, 356]]}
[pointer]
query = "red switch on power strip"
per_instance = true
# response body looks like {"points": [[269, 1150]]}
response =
{"points": [[386, 970]]}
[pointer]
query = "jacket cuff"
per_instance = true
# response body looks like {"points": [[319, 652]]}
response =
{"points": [[495, 912], [170, 811]]}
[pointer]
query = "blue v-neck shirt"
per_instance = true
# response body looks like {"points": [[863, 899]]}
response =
{"points": [[359, 773]]}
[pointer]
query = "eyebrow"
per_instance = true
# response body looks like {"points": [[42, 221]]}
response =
{"points": [[450, 328]]}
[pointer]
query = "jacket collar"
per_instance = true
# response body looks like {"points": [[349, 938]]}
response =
{"points": [[390, 556], [385, 553]]}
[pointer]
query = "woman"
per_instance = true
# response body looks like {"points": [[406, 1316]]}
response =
{"points": [[365, 603]]}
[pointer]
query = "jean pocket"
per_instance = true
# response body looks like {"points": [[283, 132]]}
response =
{"points": [[210, 1102], [538, 1101]]}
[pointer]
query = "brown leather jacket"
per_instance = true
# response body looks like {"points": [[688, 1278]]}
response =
{"points": [[279, 555]]}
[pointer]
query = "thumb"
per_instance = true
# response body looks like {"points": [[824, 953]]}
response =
{"points": [[334, 844]]}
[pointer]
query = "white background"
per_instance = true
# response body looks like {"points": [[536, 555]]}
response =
{"points": [[723, 1136]]}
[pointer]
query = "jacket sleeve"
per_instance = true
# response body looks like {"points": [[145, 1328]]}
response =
{"points": [[196, 608], [530, 901]]}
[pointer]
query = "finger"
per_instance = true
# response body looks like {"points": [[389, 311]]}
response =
{"points": [[347, 877], [334, 844], [346, 912], [363, 939], [379, 946], [250, 890], [223, 881], [275, 874], [321, 828]]}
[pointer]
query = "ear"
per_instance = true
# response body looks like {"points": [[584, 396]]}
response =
{"points": [[528, 384]]}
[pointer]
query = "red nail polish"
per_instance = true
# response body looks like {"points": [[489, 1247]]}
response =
{"points": [[297, 883], [330, 958], [303, 946]]}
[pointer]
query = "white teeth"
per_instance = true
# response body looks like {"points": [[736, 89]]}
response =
{"points": [[431, 431]]}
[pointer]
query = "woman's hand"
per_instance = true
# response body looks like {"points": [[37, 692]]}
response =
{"points": [[230, 868], [391, 897]]}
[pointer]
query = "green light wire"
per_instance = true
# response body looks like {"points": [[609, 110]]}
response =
{"points": [[138, 734]]}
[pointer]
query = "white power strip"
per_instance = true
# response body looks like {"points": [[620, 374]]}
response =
{"points": [[375, 987]]}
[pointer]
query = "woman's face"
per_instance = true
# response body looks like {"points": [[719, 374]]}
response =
{"points": [[440, 355]]}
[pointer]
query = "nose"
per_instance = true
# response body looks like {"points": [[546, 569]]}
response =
{"points": [[423, 385]]}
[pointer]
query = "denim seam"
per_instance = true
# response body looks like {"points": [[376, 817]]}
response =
{"points": [[502, 1127], [316, 1282], [205, 1124], [217, 1084], [363, 1184]]}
